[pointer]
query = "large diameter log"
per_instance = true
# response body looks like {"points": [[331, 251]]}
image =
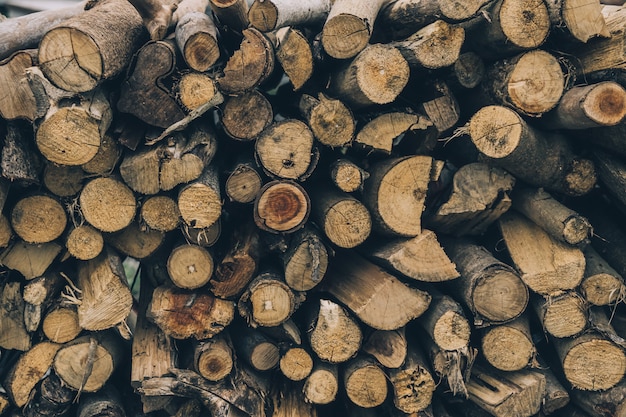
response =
{"points": [[365, 382], [183, 314], [546, 265], [502, 136], [578, 20], [107, 204], [282, 206], [348, 27], [395, 194], [275, 14], [377, 75], [91, 47], [509, 346], [38, 219], [87, 363], [491, 289], [368, 291], [591, 362]]}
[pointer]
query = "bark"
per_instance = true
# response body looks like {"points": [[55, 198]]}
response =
{"points": [[107, 402], [52, 397], [256, 349], [20, 162], [612, 174], [607, 403], [231, 14], [604, 54]]}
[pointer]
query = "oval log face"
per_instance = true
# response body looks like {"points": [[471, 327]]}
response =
{"points": [[282, 206]]}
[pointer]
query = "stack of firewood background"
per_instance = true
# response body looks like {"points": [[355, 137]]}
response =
{"points": [[303, 208]]}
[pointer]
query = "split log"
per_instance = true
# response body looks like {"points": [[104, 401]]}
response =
{"points": [[389, 347], [412, 383], [60, 324], [348, 27], [38, 295], [505, 139], [231, 14], [330, 120], [190, 266], [345, 221], [106, 157], [442, 109], [196, 37], [105, 299], [591, 362], [294, 53], [491, 289], [322, 385], [367, 290], [156, 15], [306, 260], [13, 333], [282, 206], [334, 334], [30, 260], [183, 314], [275, 14], [381, 133], [246, 115], [296, 363], [377, 75], [546, 265], [478, 196], [19, 101], [38, 219], [91, 47], [601, 285], [348, 176], [143, 93], [250, 65], [509, 346], [577, 20], [213, 358], [199, 202], [365, 382], [563, 315], [395, 194], [85, 364], [445, 322]]}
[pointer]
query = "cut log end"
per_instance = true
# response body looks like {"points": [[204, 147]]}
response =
{"points": [[507, 348], [500, 296], [516, 17], [263, 15], [281, 207], [345, 35], [594, 364], [451, 331]]}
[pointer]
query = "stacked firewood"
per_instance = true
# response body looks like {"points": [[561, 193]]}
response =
{"points": [[348, 207]]}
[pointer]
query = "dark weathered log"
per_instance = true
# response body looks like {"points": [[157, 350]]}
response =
{"points": [[601, 284], [246, 115], [13, 334], [256, 349], [52, 397], [39, 294], [232, 15], [107, 402]]}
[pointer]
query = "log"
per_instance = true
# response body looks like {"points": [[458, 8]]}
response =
{"points": [[52, 397], [467, 72], [443, 110], [294, 54], [30, 260], [611, 172], [60, 324], [347, 176], [14, 334], [509, 347], [412, 383], [63, 180], [491, 289], [296, 363], [606, 403], [213, 358], [563, 315], [107, 402], [231, 14], [389, 347], [267, 16], [20, 101], [106, 157], [107, 204], [39, 294], [334, 334], [195, 89], [196, 37], [282, 206], [160, 213], [20, 161], [365, 382], [190, 266], [306, 260], [256, 349], [368, 290], [577, 20], [380, 133], [199, 202], [377, 75], [445, 323], [546, 265], [246, 115], [330, 120], [38, 218], [244, 182], [322, 384], [505, 139], [135, 241], [601, 285], [92, 47]]}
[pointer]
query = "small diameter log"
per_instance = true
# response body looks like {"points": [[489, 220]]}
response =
{"points": [[577, 20], [195, 89], [412, 383], [512, 26], [250, 65], [153, 62], [106, 299], [231, 14], [306, 260], [38, 295], [92, 47], [246, 115], [558, 221], [135, 241], [60, 324], [368, 291], [105, 159], [531, 82], [19, 101], [86, 363], [107, 204], [160, 213], [563, 315], [421, 258], [31, 366], [244, 182], [504, 394], [107, 402], [190, 266], [556, 396], [183, 314], [601, 285], [467, 72], [546, 265], [389, 347], [38, 219], [200, 202], [478, 196], [281, 207], [491, 289], [434, 46], [509, 346], [365, 382], [63, 180], [589, 106], [346, 222], [322, 385], [196, 37], [377, 75], [505, 139], [395, 194], [445, 322], [275, 14], [256, 349], [285, 149], [31, 260], [591, 362], [213, 358], [296, 363], [347, 176], [380, 133], [294, 54], [334, 334], [52, 397], [268, 301], [13, 334], [72, 135], [331, 121], [348, 27]]}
